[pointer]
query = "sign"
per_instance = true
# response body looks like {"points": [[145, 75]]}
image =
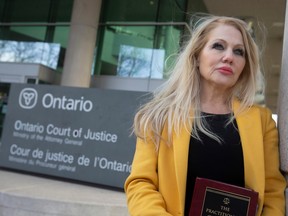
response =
{"points": [[74, 133]]}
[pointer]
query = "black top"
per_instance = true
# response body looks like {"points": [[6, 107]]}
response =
{"points": [[210, 159]]}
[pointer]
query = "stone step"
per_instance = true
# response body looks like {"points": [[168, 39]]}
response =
{"points": [[22, 194]]}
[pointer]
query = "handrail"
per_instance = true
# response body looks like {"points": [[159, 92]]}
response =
{"points": [[100, 24]]}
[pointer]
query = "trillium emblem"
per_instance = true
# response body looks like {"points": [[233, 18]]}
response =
{"points": [[28, 98]]}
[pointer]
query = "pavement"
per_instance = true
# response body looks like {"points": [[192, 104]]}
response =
{"points": [[23, 194]]}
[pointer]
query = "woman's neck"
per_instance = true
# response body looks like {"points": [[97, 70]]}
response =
{"points": [[215, 103]]}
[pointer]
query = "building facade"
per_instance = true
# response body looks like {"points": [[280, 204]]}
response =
{"points": [[117, 44], [126, 45]]}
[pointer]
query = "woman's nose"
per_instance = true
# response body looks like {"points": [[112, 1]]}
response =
{"points": [[228, 56]]}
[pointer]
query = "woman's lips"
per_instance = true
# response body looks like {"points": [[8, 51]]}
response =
{"points": [[225, 70]]}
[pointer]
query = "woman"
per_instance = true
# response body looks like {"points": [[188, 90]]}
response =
{"points": [[203, 123]]}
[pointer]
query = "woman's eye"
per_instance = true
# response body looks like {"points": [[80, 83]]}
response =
{"points": [[239, 52], [217, 46]]}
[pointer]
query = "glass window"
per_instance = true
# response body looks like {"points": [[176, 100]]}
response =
{"points": [[171, 11], [29, 10], [137, 39], [36, 11], [114, 37], [28, 42], [4, 91], [137, 51], [28, 33], [61, 36], [143, 11], [2, 9], [30, 52], [129, 10], [63, 10]]}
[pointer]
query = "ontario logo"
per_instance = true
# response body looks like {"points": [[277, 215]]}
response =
{"points": [[28, 98]]}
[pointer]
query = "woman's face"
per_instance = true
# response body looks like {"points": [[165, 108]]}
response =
{"points": [[222, 59]]}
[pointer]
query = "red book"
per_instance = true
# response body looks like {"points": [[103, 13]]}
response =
{"points": [[217, 198]]}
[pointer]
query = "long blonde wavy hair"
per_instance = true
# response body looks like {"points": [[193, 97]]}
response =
{"points": [[177, 103]]}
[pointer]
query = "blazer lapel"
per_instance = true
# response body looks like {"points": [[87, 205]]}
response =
{"points": [[250, 130], [181, 149]]}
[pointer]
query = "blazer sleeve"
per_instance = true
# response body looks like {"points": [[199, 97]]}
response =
{"points": [[141, 186], [275, 183]]}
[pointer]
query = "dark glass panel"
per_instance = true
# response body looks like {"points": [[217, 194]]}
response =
{"points": [[29, 10], [2, 9], [27, 33], [63, 10], [36, 10], [171, 10], [143, 11], [22, 33], [129, 10]]}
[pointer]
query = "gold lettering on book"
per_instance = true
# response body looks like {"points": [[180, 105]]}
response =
{"points": [[225, 208], [218, 213]]}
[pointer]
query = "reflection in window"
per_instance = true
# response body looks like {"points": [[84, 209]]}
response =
{"points": [[135, 38], [140, 62], [145, 51], [30, 52]]}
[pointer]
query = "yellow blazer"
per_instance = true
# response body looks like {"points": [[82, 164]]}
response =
{"points": [[157, 183]]}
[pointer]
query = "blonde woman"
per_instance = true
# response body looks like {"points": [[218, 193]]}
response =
{"points": [[203, 123]]}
